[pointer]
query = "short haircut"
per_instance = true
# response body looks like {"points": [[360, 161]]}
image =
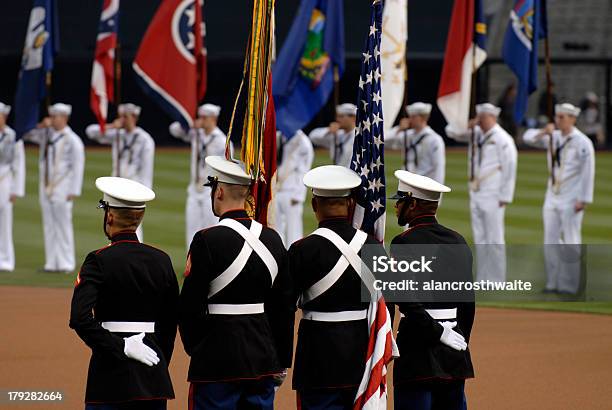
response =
{"points": [[331, 202], [127, 218], [236, 192], [430, 206]]}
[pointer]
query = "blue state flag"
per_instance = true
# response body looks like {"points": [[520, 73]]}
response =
{"points": [[520, 50], [303, 75], [36, 62]]}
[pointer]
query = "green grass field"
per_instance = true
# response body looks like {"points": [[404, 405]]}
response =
{"points": [[164, 222]]}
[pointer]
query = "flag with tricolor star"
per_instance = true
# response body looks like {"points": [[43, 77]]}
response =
{"points": [[369, 162]]}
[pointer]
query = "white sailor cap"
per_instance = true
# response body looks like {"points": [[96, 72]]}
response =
{"points": [[331, 181], [226, 171], [129, 108], [488, 108], [418, 186], [124, 193], [346, 109], [209, 110], [418, 108], [4, 108], [60, 109], [567, 108]]}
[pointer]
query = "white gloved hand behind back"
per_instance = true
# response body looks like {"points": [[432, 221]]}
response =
{"points": [[451, 338], [136, 349]]}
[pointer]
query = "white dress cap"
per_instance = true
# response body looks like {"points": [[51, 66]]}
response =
{"points": [[418, 108], [209, 110], [129, 108], [418, 186], [229, 172], [124, 193], [60, 109], [488, 108], [346, 109], [567, 108], [331, 181], [5, 109]]}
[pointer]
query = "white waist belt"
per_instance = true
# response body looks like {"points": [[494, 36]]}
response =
{"points": [[247, 309], [129, 327], [440, 314], [344, 316]]}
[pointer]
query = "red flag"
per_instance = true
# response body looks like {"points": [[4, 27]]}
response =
{"points": [[263, 188], [103, 71], [171, 60], [463, 55]]}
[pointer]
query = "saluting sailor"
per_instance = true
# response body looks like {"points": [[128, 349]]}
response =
{"points": [[236, 307], [422, 147], [12, 186], [569, 190], [206, 139], [124, 307], [333, 334], [61, 166], [432, 337], [339, 135], [294, 159], [133, 149], [492, 160]]}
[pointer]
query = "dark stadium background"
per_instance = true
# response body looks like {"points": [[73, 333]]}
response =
{"points": [[228, 23]]}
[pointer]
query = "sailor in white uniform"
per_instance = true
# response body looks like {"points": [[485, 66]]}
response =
{"points": [[571, 165], [338, 137], [422, 148], [206, 139], [133, 149], [12, 185], [295, 156], [61, 166], [492, 159]]}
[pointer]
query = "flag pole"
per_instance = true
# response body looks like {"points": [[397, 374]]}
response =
{"points": [[473, 110], [405, 103], [117, 103], [336, 103], [549, 106], [48, 83]]}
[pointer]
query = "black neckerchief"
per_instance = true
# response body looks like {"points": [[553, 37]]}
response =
{"points": [[128, 147], [413, 147], [558, 149], [3, 136], [480, 143]]}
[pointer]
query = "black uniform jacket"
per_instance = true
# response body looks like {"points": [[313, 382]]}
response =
{"points": [[126, 281], [422, 355], [329, 354], [234, 347]]}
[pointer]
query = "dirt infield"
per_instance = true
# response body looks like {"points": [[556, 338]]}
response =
{"points": [[523, 359]]}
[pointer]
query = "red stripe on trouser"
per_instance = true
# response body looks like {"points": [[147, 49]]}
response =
{"points": [[298, 400], [190, 397]]}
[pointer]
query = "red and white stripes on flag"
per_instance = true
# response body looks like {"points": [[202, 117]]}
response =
{"points": [[103, 71], [372, 392], [463, 56]]}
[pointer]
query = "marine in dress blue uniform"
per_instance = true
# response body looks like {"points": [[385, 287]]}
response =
{"points": [[236, 310], [433, 335], [124, 307]]}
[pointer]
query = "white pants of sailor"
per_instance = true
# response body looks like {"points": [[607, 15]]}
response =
{"points": [[7, 251], [59, 235], [488, 230], [289, 224], [198, 214], [562, 229]]}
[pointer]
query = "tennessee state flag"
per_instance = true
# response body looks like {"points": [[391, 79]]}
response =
{"points": [[465, 52], [171, 60]]}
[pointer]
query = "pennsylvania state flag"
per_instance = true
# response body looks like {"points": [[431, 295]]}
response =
{"points": [[520, 50], [38, 51], [303, 76]]}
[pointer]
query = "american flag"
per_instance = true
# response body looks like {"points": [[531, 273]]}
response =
{"points": [[369, 162], [103, 71], [368, 149]]}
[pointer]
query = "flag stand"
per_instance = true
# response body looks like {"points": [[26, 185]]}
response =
{"points": [[549, 106], [117, 103]]}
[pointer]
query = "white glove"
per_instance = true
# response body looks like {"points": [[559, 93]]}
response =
{"points": [[137, 350], [451, 338]]}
